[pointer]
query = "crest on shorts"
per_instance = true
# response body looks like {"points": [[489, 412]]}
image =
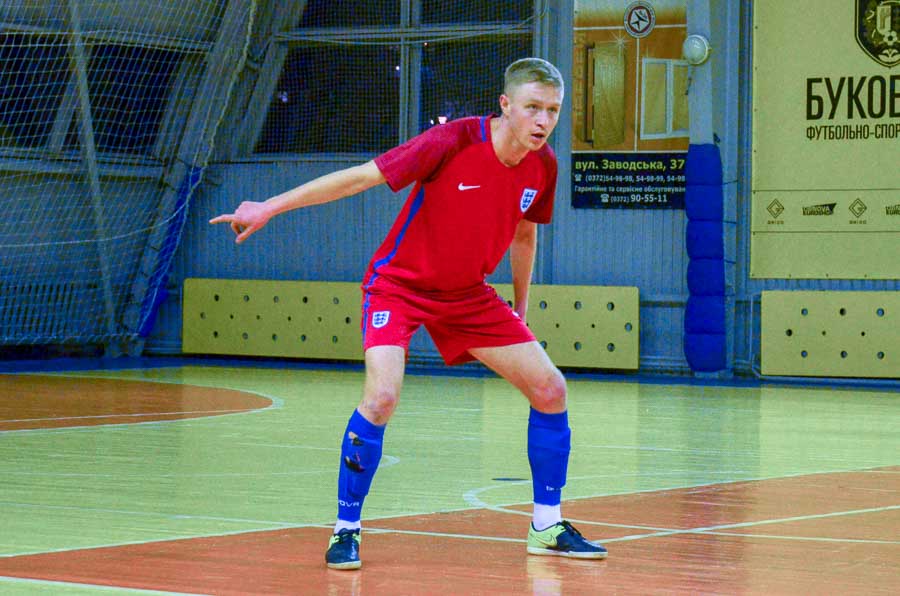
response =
{"points": [[527, 199], [878, 30], [380, 318]]}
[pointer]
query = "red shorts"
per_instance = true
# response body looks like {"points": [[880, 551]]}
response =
{"points": [[479, 318]]}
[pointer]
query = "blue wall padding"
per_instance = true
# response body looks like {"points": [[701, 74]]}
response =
{"points": [[703, 202], [705, 314], [706, 277], [704, 165], [705, 352], [704, 240], [705, 340]]}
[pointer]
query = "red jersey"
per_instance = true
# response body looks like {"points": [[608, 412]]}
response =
{"points": [[462, 213]]}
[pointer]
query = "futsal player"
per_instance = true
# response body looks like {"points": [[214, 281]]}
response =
{"points": [[481, 186]]}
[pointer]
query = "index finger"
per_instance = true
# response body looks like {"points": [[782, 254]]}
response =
{"points": [[227, 218]]}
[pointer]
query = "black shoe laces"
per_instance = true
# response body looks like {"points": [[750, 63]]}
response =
{"points": [[570, 528]]}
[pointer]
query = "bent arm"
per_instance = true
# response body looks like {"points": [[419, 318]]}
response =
{"points": [[521, 260], [250, 216]]}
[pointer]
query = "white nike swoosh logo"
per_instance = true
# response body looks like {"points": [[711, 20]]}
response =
{"points": [[464, 187]]}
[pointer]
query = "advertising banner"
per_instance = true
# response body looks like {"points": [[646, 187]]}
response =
{"points": [[629, 102], [826, 139]]}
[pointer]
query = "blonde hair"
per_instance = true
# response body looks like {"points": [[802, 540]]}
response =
{"points": [[531, 70]]}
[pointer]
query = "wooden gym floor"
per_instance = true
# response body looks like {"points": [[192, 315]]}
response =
{"points": [[220, 480]]}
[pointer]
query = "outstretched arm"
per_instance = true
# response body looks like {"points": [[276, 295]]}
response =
{"points": [[250, 216], [521, 260]]}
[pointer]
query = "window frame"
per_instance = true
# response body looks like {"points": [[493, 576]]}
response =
{"points": [[671, 132], [409, 35]]}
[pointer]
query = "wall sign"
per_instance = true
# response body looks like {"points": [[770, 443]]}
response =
{"points": [[630, 109], [826, 140]]}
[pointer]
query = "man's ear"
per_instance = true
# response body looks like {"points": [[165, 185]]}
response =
{"points": [[504, 104]]}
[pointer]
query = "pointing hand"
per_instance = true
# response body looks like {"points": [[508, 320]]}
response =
{"points": [[249, 217]]}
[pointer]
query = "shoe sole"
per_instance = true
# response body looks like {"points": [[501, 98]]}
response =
{"points": [[534, 550], [345, 566]]}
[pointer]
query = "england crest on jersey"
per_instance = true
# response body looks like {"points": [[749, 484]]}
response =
{"points": [[380, 318], [527, 199]]}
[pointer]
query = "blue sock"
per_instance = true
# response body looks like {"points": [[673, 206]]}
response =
{"points": [[549, 442], [360, 455]]}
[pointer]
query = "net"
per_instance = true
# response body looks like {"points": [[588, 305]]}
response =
{"points": [[110, 110], [102, 142]]}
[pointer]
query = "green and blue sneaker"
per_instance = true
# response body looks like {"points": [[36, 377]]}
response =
{"points": [[563, 540], [343, 550]]}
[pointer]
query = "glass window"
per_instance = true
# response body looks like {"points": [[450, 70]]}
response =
{"points": [[654, 100], [339, 90], [129, 87], [350, 13], [466, 78], [664, 102], [442, 11], [34, 71], [335, 99]]}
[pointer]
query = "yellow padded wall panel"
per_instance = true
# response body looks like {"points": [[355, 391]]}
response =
{"points": [[830, 334], [585, 326], [298, 319], [580, 326]]}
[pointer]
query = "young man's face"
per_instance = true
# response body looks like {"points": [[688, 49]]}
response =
{"points": [[533, 111]]}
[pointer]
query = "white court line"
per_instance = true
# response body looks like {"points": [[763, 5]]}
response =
{"points": [[710, 530], [141, 415], [811, 538], [167, 516], [72, 549], [277, 403], [58, 584], [719, 528], [803, 518], [173, 475], [471, 497], [749, 479]]}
